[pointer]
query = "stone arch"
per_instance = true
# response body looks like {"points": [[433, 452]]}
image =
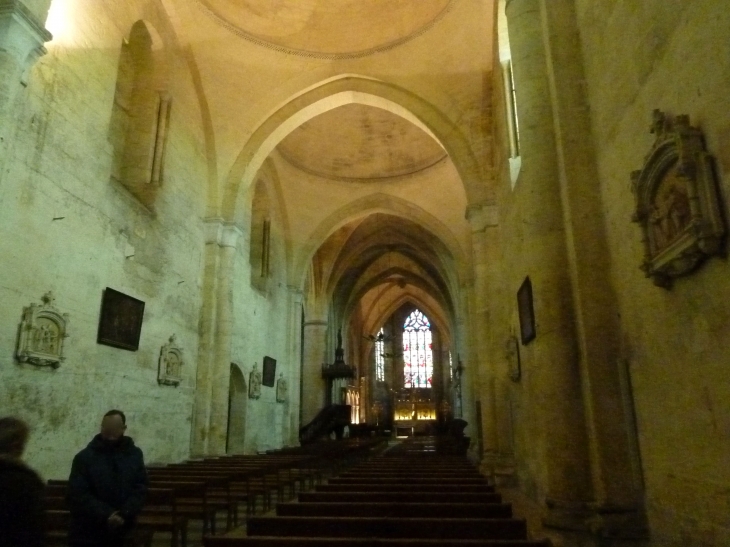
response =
{"points": [[365, 206], [237, 406], [347, 90]]}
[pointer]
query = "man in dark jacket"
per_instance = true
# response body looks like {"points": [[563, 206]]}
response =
{"points": [[107, 487], [21, 490]]}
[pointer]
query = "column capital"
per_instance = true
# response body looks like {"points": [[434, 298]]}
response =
{"points": [[21, 35], [315, 323], [482, 216], [221, 233]]}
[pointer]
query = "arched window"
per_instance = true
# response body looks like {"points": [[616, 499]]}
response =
{"points": [[140, 114], [380, 357], [417, 351]]}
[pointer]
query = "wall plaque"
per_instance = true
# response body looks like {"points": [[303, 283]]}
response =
{"points": [[41, 334], [677, 202]]}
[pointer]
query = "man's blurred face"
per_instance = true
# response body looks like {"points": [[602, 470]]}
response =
{"points": [[112, 428]]}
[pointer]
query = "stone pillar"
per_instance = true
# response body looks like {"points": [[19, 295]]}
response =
{"points": [[210, 419], [554, 383], [616, 497], [315, 353], [483, 220], [295, 359], [21, 44]]}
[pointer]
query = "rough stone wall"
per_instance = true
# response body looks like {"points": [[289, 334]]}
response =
{"points": [[674, 344], [58, 166], [674, 56]]}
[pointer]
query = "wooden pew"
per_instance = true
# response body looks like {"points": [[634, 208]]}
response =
{"points": [[402, 497], [161, 515], [415, 528], [405, 487], [396, 510], [364, 542]]}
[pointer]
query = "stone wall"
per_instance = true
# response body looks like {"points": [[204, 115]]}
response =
{"points": [[667, 357], [672, 56], [70, 229]]}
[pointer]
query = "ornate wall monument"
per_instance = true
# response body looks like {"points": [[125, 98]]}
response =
{"points": [[41, 334], [169, 370], [677, 203]]}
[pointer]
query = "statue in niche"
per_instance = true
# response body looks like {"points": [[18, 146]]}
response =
{"points": [[254, 383], [169, 370], [282, 389], [677, 201], [41, 334]]}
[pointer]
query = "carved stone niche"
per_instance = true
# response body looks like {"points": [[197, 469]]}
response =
{"points": [[169, 370], [677, 202], [41, 334]]}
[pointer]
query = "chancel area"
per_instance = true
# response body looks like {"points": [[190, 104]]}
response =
{"points": [[486, 235]]}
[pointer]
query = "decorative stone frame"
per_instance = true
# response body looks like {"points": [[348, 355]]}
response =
{"points": [[41, 334], [677, 202], [169, 371]]}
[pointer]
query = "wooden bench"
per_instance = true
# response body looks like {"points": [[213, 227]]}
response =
{"points": [[415, 528], [405, 479], [161, 515], [364, 542], [404, 487], [396, 510], [404, 497]]}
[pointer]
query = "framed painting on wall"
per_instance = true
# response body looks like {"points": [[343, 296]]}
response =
{"points": [[526, 311], [269, 372], [120, 322]]}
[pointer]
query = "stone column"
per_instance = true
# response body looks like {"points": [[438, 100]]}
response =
{"points": [[295, 359], [616, 497], [313, 385], [210, 418], [21, 44], [554, 383], [22, 37], [483, 221]]}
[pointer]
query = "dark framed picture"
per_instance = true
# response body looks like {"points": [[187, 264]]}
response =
{"points": [[120, 323], [526, 311], [269, 373]]}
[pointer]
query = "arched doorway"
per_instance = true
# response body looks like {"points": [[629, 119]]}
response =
{"points": [[237, 401]]}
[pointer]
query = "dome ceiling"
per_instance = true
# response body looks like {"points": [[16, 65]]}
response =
{"points": [[360, 143], [327, 28]]}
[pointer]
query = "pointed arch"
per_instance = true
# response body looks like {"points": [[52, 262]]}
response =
{"points": [[350, 89], [365, 206]]}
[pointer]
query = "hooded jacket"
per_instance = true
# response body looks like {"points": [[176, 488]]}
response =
{"points": [[106, 477], [21, 505]]}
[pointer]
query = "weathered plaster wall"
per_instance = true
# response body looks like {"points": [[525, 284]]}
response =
{"points": [[674, 56], [58, 165]]}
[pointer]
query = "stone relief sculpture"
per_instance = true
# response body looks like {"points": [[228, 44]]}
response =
{"points": [[282, 389], [677, 203], [254, 383], [170, 364], [41, 334]]}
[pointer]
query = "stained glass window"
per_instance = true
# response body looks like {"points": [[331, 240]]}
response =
{"points": [[380, 357], [417, 351]]}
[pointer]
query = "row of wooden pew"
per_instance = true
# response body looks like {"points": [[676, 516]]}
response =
{"points": [[215, 489], [417, 494]]}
